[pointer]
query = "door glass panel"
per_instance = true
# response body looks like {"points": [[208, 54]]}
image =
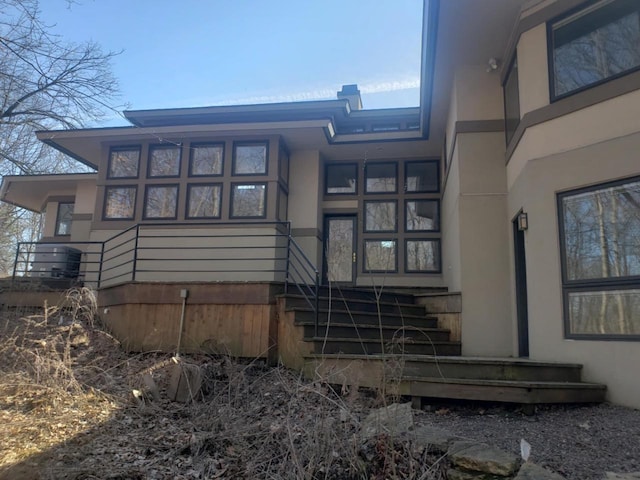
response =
{"points": [[339, 248]]}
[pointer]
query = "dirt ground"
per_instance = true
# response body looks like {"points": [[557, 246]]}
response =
{"points": [[67, 411]]}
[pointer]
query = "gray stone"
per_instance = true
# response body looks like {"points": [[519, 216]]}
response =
{"points": [[436, 438], [150, 388], [394, 420], [531, 471], [623, 476], [185, 383], [482, 458], [454, 474]]}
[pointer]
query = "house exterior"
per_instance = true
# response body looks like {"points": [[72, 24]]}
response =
{"points": [[516, 183]]}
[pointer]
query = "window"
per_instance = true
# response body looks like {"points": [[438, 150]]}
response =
{"points": [[206, 160], [422, 216], [123, 162], [250, 159], [63, 219], [341, 178], [600, 246], [593, 45], [422, 256], [164, 161], [203, 201], [380, 256], [380, 216], [422, 176], [161, 201], [511, 92], [380, 177], [119, 203], [248, 200]]}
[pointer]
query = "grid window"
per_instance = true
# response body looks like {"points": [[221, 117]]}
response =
{"points": [[380, 216], [123, 163], [248, 200], [422, 216], [119, 203], [380, 256], [422, 256], [250, 159], [204, 201], [341, 179], [164, 161], [511, 101], [422, 176], [64, 218], [206, 160], [381, 177], [161, 201]]}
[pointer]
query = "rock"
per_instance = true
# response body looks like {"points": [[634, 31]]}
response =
{"points": [[433, 437], [185, 383], [482, 458], [622, 476], [150, 388], [454, 474], [531, 471], [393, 420]]}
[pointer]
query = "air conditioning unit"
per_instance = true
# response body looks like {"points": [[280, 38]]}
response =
{"points": [[55, 261]]}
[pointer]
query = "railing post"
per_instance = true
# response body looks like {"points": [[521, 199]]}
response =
{"points": [[317, 302], [286, 272], [15, 263], [135, 254], [100, 265]]}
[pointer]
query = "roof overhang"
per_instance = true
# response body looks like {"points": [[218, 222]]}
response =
{"points": [[32, 191]]}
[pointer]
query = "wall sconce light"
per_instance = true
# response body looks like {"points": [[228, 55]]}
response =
{"points": [[492, 64], [523, 221]]}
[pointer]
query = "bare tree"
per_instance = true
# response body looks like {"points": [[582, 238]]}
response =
{"points": [[45, 83]]}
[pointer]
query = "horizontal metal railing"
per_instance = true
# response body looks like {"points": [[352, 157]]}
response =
{"points": [[255, 251]]}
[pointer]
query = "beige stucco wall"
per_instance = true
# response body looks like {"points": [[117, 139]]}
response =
{"points": [[534, 190], [450, 213], [478, 94], [85, 197]]}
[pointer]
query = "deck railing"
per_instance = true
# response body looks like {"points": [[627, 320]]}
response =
{"points": [[256, 251]]}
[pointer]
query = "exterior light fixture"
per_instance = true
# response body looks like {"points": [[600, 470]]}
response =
{"points": [[492, 64], [523, 221]]}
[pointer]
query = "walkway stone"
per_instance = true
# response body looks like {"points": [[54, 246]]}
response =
{"points": [[483, 458], [394, 420], [531, 471]]}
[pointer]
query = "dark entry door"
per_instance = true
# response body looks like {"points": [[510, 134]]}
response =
{"points": [[340, 249], [521, 290]]}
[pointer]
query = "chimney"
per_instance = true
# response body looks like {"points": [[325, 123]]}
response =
{"points": [[351, 93]]}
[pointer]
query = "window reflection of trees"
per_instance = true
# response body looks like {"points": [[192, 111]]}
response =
{"points": [[339, 252], [602, 242], [164, 161], [204, 201], [161, 202], [423, 255], [120, 202], [206, 160], [123, 163], [248, 200], [250, 160], [380, 255], [380, 216]]}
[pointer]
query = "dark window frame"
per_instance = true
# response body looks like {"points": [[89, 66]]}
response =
{"points": [[150, 186], [437, 201], [591, 284], [509, 133], [364, 213], [263, 143], [151, 149], [249, 217], [188, 201], [395, 241], [105, 203], [438, 241], [551, 48], [124, 148], [406, 177], [366, 177], [326, 179], [58, 223], [192, 149]]}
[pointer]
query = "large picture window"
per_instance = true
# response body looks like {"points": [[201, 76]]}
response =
{"points": [[161, 201], [164, 161], [380, 216], [600, 240], [248, 200], [206, 159], [204, 201], [597, 43], [250, 159], [123, 162]]}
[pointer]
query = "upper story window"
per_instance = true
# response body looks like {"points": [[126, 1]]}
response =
{"points": [[250, 159], [381, 177], [164, 161], [511, 91], [119, 203], [123, 162], [341, 178], [206, 159], [594, 45], [63, 219], [422, 176]]}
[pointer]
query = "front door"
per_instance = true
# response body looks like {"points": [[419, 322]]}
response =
{"points": [[522, 307], [340, 249]]}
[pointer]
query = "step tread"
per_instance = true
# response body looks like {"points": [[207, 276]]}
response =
{"points": [[506, 383], [371, 340], [362, 313], [357, 300], [453, 359], [359, 326]]}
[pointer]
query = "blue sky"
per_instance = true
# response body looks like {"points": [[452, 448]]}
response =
{"points": [[217, 52]]}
